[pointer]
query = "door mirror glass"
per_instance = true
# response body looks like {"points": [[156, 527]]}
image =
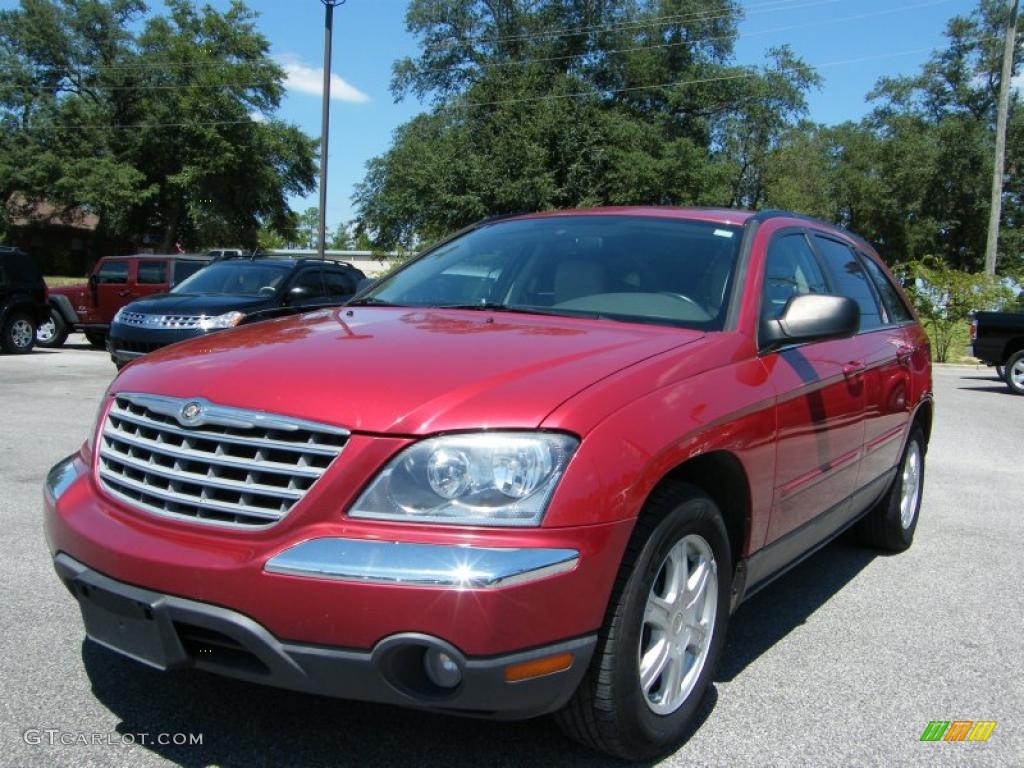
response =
{"points": [[811, 317]]}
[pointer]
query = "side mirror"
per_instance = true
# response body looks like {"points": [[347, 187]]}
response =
{"points": [[811, 317]]}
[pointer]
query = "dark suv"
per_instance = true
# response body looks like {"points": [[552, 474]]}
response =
{"points": [[22, 301], [228, 293]]}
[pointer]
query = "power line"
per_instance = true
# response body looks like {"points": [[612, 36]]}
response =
{"points": [[697, 81], [552, 97], [693, 41], [541, 60], [776, 5], [698, 16]]}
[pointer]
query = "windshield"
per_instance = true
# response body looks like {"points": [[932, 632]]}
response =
{"points": [[235, 278], [654, 270]]}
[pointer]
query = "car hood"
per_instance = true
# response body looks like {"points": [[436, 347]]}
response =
{"points": [[402, 371], [196, 304]]}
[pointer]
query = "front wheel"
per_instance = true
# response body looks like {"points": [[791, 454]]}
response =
{"points": [[1015, 373], [18, 334], [891, 524], [663, 632], [53, 333], [98, 339], [1000, 373]]}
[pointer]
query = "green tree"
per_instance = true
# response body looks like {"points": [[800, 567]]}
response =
{"points": [[541, 104], [161, 124]]}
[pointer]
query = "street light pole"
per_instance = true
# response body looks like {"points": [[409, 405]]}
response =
{"points": [[325, 124]]}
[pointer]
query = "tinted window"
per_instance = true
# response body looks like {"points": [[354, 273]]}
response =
{"points": [[113, 272], [850, 280], [184, 269], [340, 283], [152, 272], [311, 281], [891, 299], [627, 268], [236, 278], [790, 270]]}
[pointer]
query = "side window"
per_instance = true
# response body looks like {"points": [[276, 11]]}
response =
{"points": [[891, 299], [340, 283], [152, 272], [790, 270], [312, 281], [113, 272], [851, 280], [183, 269]]}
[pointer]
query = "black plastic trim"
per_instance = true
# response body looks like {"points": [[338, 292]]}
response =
{"points": [[242, 648]]}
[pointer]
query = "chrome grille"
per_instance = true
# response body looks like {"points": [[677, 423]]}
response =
{"points": [[142, 320], [210, 463]]}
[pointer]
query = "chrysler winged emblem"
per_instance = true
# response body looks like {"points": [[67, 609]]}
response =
{"points": [[191, 412]]}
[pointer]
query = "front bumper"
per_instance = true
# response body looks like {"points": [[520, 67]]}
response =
{"points": [[169, 632], [319, 578], [126, 343]]}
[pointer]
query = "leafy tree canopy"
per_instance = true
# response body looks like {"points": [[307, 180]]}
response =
{"points": [[559, 103], [161, 124]]}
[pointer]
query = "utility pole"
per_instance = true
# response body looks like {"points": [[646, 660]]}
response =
{"points": [[325, 124], [1005, 83]]}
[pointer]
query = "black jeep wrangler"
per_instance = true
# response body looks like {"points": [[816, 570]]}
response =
{"points": [[22, 301]]}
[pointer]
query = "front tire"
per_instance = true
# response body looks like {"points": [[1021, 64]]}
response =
{"points": [[18, 334], [891, 524], [53, 333], [1015, 373], [98, 339], [663, 633]]}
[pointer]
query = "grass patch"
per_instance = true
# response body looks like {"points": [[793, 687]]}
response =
{"points": [[57, 282]]}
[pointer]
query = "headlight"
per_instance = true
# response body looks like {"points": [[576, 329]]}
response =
{"points": [[227, 320], [118, 314], [499, 478]]}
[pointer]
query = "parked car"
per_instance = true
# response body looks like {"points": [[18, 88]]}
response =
{"points": [[225, 294], [226, 253], [534, 470], [22, 300], [998, 340], [114, 282]]}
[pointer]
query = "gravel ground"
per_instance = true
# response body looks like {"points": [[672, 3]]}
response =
{"points": [[843, 661]]}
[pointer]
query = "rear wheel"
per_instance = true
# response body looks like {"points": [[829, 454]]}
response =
{"points": [[663, 632], [891, 524], [53, 333], [18, 334], [1015, 373], [98, 339]]}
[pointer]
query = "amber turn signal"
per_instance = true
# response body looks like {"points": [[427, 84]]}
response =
{"points": [[538, 667]]}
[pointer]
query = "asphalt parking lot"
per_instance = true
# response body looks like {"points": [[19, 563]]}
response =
{"points": [[843, 661]]}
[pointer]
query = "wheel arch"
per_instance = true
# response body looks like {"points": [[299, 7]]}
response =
{"points": [[62, 304], [1012, 347], [923, 417], [721, 475]]}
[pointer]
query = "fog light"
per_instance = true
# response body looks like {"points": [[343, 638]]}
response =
{"points": [[441, 668]]}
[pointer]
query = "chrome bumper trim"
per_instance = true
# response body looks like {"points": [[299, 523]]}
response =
{"points": [[424, 565]]}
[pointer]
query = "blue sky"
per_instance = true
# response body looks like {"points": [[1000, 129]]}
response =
{"points": [[857, 41]]}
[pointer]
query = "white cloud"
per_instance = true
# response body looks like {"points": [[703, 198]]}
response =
{"points": [[257, 117], [1018, 83], [311, 80]]}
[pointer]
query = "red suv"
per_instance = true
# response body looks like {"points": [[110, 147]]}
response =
{"points": [[535, 470], [115, 281]]}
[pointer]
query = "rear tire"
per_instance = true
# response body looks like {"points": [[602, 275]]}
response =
{"points": [[98, 339], [663, 633], [1015, 373], [53, 333], [18, 334], [891, 524]]}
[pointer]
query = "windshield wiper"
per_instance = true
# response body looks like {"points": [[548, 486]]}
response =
{"points": [[371, 301], [525, 310]]}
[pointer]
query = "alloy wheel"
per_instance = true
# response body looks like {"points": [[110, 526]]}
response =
{"points": [[678, 623], [21, 333], [911, 489]]}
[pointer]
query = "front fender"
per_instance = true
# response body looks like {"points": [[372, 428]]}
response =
{"points": [[62, 304]]}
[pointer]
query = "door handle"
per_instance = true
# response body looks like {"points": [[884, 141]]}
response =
{"points": [[853, 369], [124, 293]]}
